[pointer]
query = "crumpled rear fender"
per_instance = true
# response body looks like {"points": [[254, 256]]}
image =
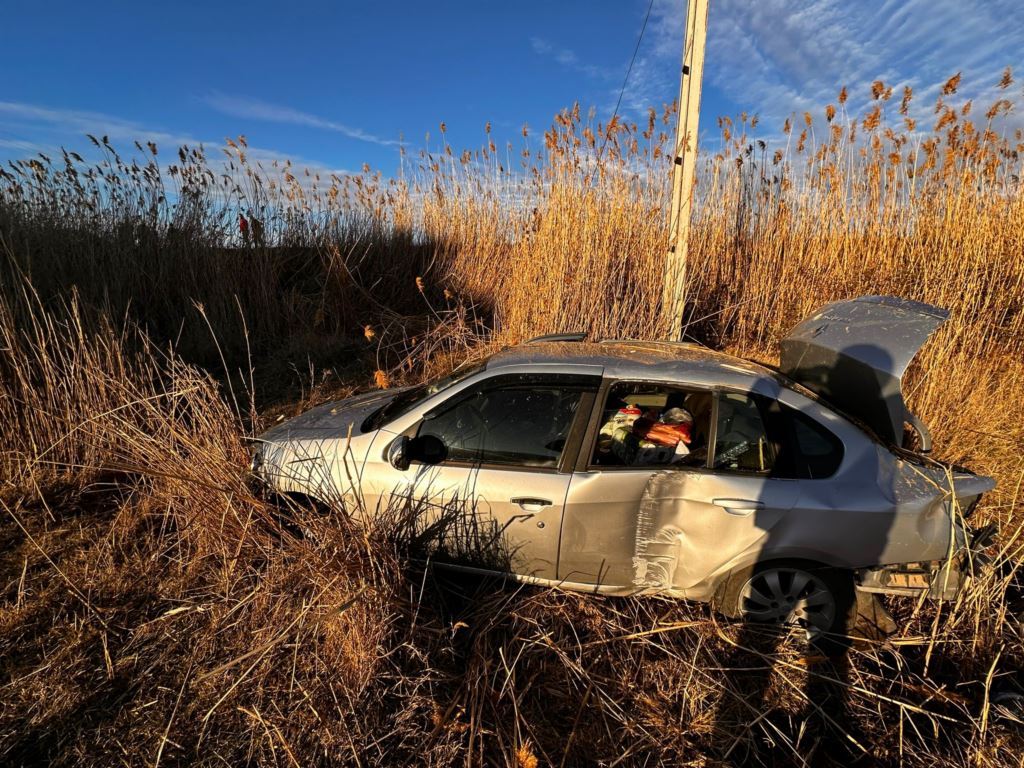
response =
{"points": [[687, 544]]}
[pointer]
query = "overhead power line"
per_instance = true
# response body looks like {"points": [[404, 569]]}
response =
{"points": [[625, 80]]}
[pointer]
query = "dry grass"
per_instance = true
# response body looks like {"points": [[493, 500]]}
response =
{"points": [[155, 610]]}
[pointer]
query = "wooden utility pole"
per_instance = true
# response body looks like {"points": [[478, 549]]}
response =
{"points": [[684, 163]]}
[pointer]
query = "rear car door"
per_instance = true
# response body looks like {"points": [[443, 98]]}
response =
{"points": [[600, 524], [670, 528]]}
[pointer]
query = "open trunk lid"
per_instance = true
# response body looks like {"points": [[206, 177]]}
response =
{"points": [[854, 354]]}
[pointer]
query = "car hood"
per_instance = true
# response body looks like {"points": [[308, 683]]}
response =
{"points": [[854, 354], [331, 419]]}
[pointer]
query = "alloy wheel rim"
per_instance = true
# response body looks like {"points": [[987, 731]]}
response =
{"points": [[789, 596]]}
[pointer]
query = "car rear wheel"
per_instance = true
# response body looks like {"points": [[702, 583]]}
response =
{"points": [[816, 598]]}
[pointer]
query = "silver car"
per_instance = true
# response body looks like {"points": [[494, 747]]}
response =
{"points": [[644, 467]]}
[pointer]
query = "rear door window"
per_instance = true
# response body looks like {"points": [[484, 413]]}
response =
{"points": [[819, 452], [652, 425], [742, 443], [761, 435]]}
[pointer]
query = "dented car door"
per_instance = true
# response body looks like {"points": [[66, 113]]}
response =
{"points": [[599, 527], [637, 528], [693, 526]]}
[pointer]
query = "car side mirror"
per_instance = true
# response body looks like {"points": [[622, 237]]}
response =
{"points": [[426, 449], [398, 453]]}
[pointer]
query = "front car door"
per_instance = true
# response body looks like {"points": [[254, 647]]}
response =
{"points": [[497, 497]]}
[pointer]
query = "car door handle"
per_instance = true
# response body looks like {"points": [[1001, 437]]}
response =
{"points": [[738, 506], [531, 504]]}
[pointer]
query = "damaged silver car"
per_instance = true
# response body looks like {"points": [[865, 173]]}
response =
{"points": [[636, 467]]}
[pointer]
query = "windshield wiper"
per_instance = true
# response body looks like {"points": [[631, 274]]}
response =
{"points": [[392, 409]]}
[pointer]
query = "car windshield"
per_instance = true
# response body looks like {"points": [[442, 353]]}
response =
{"points": [[408, 399]]}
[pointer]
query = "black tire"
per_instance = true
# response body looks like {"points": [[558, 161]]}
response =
{"points": [[797, 592]]}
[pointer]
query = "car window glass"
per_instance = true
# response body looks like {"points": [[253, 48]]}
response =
{"points": [[651, 425], [405, 401], [760, 434], [514, 426], [821, 452], [742, 443]]}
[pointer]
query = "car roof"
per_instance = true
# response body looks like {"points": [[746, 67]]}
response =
{"points": [[628, 359]]}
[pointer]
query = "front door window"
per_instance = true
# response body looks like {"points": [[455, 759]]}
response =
{"points": [[516, 426]]}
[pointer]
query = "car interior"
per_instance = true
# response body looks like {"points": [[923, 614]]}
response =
{"points": [[645, 425]]}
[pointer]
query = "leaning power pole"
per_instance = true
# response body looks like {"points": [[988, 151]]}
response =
{"points": [[684, 163]]}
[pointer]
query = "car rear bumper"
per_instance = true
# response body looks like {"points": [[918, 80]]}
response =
{"points": [[938, 580]]}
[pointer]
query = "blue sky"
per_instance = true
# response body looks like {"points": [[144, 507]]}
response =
{"points": [[335, 84]]}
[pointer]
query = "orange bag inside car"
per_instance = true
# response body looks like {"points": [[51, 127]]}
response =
{"points": [[667, 435]]}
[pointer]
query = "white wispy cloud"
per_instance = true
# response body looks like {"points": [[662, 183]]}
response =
{"points": [[20, 118], [780, 56], [22, 147], [777, 57], [254, 109], [52, 129], [568, 58]]}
